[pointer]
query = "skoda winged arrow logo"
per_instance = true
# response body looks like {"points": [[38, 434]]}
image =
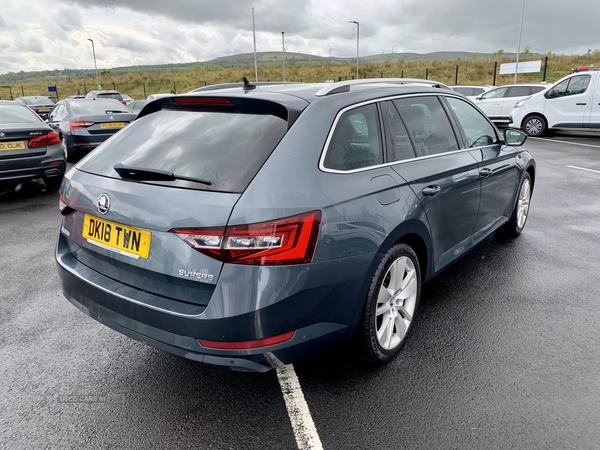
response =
{"points": [[103, 204]]}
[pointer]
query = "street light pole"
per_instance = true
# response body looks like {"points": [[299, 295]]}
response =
{"points": [[283, 47], [357, 41], [519, 46], [95, 65]]}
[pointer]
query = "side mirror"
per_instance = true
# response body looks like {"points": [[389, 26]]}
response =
{"points": [[478, 97], [513, 137]]}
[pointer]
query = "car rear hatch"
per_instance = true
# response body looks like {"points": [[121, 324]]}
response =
{"points": [[132, 202], [108, 123], [25, 139]]}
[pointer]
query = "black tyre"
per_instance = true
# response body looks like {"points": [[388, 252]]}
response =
{"points": [[518, 219], [391, 304], [534, 125], [65, 147]]}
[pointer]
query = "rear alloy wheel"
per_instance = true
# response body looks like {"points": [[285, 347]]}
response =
{"points": [[517, 221], [391, 304], [534, 125]]}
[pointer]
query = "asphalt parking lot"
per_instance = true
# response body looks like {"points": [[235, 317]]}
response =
{"points": [[503, 354]]}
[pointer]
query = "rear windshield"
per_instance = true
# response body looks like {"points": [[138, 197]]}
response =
{"points": [[110, 95], [226, 149], [17, 114], [98, 107], [38, 101]]}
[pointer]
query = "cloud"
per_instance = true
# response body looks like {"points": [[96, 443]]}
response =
{"points": [[30, 44], [159, 31], [69, 19]]}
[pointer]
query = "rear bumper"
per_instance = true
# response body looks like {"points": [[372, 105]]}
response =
{"points": [[84, 143], [52, 164], [320, 315]]}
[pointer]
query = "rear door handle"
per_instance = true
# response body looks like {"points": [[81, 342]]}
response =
{"points": [[582, 104], [485, 172], [431, 190]]}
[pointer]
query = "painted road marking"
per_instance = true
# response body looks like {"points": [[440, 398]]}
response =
{"points": [[305, 432], [583, 168], [565, 142]]}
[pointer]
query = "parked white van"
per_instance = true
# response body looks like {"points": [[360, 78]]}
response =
{"points": [[573, 103]]}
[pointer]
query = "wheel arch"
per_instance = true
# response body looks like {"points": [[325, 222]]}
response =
{"points": [[415, 234]]}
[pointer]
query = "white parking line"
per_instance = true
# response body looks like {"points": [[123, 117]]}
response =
{"points": [[565, 142], [305, 432], [583, 168]]}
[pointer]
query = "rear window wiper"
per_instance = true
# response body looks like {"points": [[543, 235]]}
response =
{"points": [[141, 173]]}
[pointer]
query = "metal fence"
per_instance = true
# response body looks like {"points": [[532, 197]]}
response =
{"points": [[12, 91]]}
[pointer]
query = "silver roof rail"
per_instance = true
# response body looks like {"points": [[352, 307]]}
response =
{"points": [[344, 86]]}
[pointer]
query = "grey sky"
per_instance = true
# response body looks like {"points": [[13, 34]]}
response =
{"points": [[40, 35]]}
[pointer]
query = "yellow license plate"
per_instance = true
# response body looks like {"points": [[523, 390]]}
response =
{"points": [[117, 237], [112, 125], [43, 109], [15, 145]]}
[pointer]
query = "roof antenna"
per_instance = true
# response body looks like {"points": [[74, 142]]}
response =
{"points": [[247, 85]]}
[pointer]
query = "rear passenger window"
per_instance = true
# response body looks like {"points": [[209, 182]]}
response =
{"points": [[478, 130], [399, 146], [427, 125], [518, 91], [356, 141]]}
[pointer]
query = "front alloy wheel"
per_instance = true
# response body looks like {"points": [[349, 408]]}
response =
{"points": [[534, 126], [518, 219], [391, 304]]}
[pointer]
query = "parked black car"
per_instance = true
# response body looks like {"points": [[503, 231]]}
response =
{"points": [[28, 147], [83, 124], [40, 104]]}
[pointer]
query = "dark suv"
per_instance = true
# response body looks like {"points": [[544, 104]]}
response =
{"points": [[254, 226]]}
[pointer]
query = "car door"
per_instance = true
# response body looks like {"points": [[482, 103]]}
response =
{"points": [[491, 102], [513, 95], [55, 116], [593, 121], [498, 170], [569, 102], [444, 178]]}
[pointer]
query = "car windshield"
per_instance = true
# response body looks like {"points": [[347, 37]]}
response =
{"points": [[97, 107], [226, 149], [17, 114]]}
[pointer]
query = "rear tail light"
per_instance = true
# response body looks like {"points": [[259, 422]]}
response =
{"points": [[74, 124], [49, 139], [62, 205], [285, 241]]}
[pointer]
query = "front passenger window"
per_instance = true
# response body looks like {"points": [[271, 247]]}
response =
{"points": [[571, 86], [478, 130]]}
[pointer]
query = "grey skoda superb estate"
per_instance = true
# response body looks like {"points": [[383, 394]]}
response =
{"points": [[254, 226]]}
